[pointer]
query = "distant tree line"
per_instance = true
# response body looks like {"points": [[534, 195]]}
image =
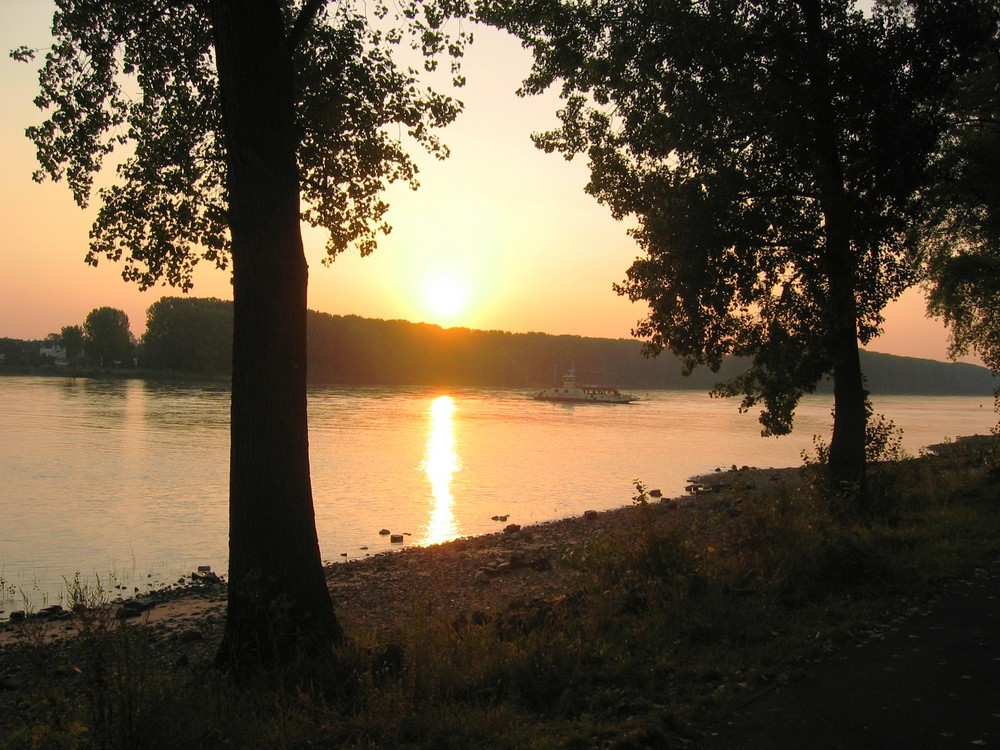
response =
{"points": [[189, 334], [104, 340], [194, 336], [354, 350]]}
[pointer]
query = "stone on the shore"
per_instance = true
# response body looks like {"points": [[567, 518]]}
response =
{"points": [[54, 612], [208, 577], [18, 615], [590, 515], [481, 578], [384, 532], [655, 493], [511, 528]]}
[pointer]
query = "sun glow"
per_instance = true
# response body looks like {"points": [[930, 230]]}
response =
{"points": [[446, 296]]}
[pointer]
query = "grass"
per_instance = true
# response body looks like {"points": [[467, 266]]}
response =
{"points": [[667, 627]]}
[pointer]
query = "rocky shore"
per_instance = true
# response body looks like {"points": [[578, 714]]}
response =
{"points": [[482, 573], [756, 633], [519, 571]]}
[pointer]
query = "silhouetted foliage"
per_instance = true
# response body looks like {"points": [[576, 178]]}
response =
{"points": [[189, 334], [72, 338], [770, 153], [235, 111], [107, 339], [18, 355], [349, 350], [961, 238], [361, 351]]}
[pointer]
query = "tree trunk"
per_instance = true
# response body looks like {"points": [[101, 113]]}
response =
{"points": [[847, 446], [279, 607]]}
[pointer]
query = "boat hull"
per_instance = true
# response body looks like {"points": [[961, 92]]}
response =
{"points": [[584, 399], [571, 392]]}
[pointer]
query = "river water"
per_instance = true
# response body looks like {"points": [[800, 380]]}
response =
{"points": [[128, 480]]}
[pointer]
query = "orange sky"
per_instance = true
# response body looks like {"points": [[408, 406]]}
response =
{"points": [[508, 225]]}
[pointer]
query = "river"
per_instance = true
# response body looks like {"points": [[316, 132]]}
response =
{"points": [[128, 480]]}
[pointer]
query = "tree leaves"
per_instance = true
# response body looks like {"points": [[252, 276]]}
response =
{"points": [[757, 154], [136, 82], [960, 238], [107, 338]]}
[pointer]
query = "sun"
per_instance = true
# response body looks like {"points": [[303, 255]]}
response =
{"points": [[446, 295]]}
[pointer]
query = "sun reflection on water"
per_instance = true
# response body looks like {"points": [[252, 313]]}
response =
{"points": [[440, 464]]}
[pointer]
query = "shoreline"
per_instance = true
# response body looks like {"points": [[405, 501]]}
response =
{"points": [[742, 587], [483, 572], [154, 520]]}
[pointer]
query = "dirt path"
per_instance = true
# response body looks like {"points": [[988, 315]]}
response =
{"points": [[930, 680]]}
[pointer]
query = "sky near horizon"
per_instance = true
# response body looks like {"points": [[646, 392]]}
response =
{"points": [[500, 236]]}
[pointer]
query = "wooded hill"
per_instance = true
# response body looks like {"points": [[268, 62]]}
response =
{"points": [[194, 335], [350, 349]]}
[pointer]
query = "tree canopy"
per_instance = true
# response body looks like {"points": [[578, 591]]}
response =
{"points": [[189, 334], [107, 340], [143, 75], [72, 338], [961, 235], [770, 154], [241, 119]]}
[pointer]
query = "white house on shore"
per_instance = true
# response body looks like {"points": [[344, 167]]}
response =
{"points": [[56, 353]]}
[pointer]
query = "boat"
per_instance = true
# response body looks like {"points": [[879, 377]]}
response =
{"points": [[572, 392]]}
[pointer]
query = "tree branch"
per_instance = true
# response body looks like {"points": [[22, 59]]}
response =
{"points": [[305, 17]]}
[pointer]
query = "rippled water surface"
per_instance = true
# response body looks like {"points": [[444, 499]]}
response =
{"points": [[127, 480]]}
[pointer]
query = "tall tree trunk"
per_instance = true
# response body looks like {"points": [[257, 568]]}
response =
{"points": [[279, 606], [847, 446]]}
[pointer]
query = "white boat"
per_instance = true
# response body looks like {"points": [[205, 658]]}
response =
{"points": [[572, 392]]}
